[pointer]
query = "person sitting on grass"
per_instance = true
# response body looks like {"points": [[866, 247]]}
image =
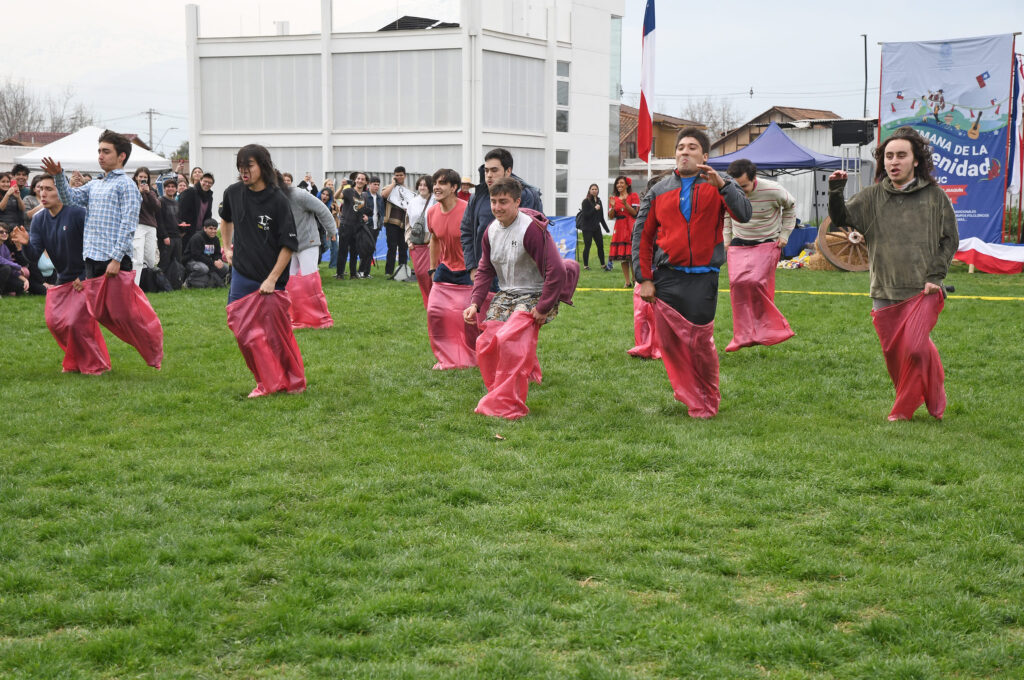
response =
{"points": [[206, 269]]}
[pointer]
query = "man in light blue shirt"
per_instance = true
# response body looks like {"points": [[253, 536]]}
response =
{"points": [[112, 205]]}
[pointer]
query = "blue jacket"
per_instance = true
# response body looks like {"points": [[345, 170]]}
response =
{"points": [[61, 238], [478, 217]]}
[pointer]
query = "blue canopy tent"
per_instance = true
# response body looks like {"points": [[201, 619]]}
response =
{"points": [[773, 152]]}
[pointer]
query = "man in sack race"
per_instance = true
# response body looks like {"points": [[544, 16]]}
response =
{"points": [[754, 248], [677, 256], [452, 340], [517, 249], [112, 214], [910, 231], [57, 230], [259, 239], [310, 214]]}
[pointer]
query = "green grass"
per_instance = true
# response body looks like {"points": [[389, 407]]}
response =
{"points": [[161, 525]]}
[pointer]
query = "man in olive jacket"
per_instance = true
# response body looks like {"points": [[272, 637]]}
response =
{"points": [[910, 231]]}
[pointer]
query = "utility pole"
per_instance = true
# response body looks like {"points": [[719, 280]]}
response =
{"points": [[151, 113], [865, 36]]}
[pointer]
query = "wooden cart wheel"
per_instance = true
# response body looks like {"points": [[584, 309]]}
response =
{"points": [[843, 247]]}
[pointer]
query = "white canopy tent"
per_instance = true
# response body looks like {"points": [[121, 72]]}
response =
{"points": [[77, 151]]}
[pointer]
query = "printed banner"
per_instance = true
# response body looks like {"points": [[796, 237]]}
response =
{"points": [[957, 94]]}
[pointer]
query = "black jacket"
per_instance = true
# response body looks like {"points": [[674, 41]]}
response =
{"points": [[592, 216]]}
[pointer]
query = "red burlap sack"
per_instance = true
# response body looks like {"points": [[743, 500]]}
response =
{"points": [[309, 305], [420, 256], [263, 328], [452, 340], [121, 306], [755, 318], [76, 331], [910, 355], [691, 360], [644, 335], [507, 355]]}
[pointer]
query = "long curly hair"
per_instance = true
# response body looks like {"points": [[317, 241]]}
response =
{"points": [[922, 154]]}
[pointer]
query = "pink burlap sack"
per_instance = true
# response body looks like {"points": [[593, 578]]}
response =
{"points": [[263, 328], [76, 331], [121, 306], [452, 340], [644, 335], [755, 318], [420, 256], [309, 304], [691, 360], [910, 355], [507, 355]]}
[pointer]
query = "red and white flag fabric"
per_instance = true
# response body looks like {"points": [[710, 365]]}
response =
{"points": [[991, 258], [645, 122]]}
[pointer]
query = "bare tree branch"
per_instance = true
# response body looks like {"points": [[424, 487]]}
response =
{"points": [[717, 114]]}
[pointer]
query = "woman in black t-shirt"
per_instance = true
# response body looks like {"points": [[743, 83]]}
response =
{"points": [[258, 230]]}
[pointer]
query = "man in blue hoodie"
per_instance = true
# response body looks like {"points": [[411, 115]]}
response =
{"points": [[497, 164]]}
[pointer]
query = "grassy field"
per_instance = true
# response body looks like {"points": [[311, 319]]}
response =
{"points": [[161, 525]]}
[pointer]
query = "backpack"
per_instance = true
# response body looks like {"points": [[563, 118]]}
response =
{"points": [[175, 274], [154, 281], [579, 220]]}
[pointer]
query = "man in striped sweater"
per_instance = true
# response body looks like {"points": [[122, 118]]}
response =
{"points": [[754, 250]]}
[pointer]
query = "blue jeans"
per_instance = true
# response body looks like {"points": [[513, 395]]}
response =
{"points": [[243, 285], [445, 275]]}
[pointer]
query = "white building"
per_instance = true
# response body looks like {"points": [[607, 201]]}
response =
{"points": [[538, 77]]}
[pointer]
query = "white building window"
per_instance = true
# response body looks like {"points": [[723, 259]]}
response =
{"points": [[562, 97], [561, 182], [509, 84]]}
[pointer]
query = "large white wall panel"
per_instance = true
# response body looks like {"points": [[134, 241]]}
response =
{"points": [[261, 93], [512, 96], [418, 160], [411, 89]]}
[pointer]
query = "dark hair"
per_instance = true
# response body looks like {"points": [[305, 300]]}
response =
{"points": [[447, 176], [398, 169], [591, 187], [507, 186], [373, 179], [696, 133], [615, 184], [39, 178], [207, 174], [121, 144], [255, 152], [501, 155], [5, 175], [428, 179], [742, 166], [288, 175], [210, 222], [18, 167], [141, 170], [922, 154], [329, 192]]}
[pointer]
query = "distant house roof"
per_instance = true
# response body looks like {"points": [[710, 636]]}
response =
{"points": [[776, 114], [408, 23], [629, 119], [32, 138]]}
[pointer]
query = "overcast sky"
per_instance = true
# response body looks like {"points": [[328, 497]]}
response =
{"points": [[130, 57]]}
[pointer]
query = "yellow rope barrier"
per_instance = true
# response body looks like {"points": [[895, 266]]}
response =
{"points": [[819, 292]]}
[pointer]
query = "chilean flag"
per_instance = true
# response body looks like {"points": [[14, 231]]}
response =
{"points": [[645, 123]]}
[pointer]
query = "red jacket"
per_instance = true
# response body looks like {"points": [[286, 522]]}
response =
{"points": [[693, 243]]}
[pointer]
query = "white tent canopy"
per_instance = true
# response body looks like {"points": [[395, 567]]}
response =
{"points": [[77, 151]]}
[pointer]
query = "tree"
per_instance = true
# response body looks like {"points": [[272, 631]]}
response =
{"points": [[181, 151], [717, 114], [23, 109]]}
